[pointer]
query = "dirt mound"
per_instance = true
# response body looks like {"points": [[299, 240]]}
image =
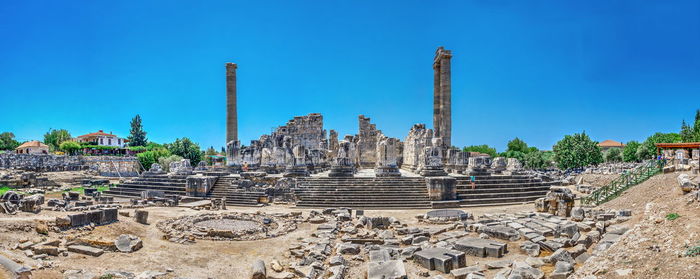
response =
{"points": [[656, 245]]}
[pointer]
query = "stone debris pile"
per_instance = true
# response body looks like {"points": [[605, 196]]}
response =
{"points": [[11, 202], [558, 201]]}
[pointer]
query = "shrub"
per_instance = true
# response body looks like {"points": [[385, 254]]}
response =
{"points": [[672, 216], [538, 160], [70, 147], [575, 151], [648, 149], [148, 158], [613, 155]]}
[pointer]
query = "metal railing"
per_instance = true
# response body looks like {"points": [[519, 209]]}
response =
{"points": [[624, 182]]}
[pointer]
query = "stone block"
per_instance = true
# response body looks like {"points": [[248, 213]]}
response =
{"points": [[441, 259], [394, 269], [501, 232], [381, 255], [79, 219], [141, 216], [481, 247], [85, 250]]}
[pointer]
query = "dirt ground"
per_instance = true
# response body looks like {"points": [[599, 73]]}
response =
{"points": [[655, 246], [203, 259]]}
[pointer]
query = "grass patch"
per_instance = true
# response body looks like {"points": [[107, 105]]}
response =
{"points": [[672, 216], [5, 189], [81, 189], [692, 251]]}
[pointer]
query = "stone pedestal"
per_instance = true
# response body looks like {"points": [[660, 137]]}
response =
{"points": [[296, 171], [442, 188], [199, 185], [387, 171], [433, 171], [342, 171]]}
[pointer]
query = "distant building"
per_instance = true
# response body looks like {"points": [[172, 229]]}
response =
{"points": [[32, 147], [103, 139], [608, 144]]}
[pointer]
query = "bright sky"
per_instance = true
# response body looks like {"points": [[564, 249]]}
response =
{"points": [[534, 69]]}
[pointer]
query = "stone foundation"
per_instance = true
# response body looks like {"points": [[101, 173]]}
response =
{"points": [[441, 188]]}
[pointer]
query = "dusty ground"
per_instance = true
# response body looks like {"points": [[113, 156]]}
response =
{"points": [[203, 259], [654, 247]]}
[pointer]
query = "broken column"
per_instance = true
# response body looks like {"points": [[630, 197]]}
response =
{"points": [[432, 159], [387, 149], [343, 165], [231, 114]]}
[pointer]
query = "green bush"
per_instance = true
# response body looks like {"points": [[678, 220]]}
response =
{"points": [[70, 147], [150, 157], [54, 138], [613, 155], [575, 151], [482, 149], [629, 153], [187, 149], [137, 148], [7, 141], [538, 160], [672, 216]]}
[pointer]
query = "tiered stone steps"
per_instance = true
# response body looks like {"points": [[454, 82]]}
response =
{"points": [[170, 185], [501, 189], [222, 188], [362, 192]]}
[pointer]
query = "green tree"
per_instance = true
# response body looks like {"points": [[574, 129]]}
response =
{"points": [[150, 157], [519, 145], [538, 159], [7, 141], [577, 150], [54, 138], [514, 154], [647, 150], [137, 136], [629, 153], [70, 147], [482, 149], [187, 149], [613, 155], [687, 133]]}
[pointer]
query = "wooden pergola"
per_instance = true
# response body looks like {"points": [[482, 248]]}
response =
{"points": [[676, 145]]}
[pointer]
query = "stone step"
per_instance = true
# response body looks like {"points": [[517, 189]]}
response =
{"points": [[479, 201], [505, 194], [151, 187], [478, 190], [366, 205]]}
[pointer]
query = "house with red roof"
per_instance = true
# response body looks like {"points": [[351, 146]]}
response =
{"points": [[102, 139], [607, 144]]}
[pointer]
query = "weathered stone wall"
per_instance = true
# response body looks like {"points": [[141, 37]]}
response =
{"points": [[104, 165], [367, 142], [414, 146]]}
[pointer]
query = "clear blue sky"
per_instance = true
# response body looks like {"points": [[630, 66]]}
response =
{"points": [[533, 69]]}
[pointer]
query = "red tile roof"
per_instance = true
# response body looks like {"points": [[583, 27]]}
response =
{"points": [[97, 134], [611, 143], [33, 143]]}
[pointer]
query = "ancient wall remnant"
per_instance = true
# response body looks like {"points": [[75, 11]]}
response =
{"points": [[414, 145], [104, 165], [367, 142], [387, 157]]}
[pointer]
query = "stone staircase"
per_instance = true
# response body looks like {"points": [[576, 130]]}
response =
{"points": [[362, 192], [501, 189], [169, 184], [222, 188]]}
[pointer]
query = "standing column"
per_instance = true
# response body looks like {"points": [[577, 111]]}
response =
{"points": [[231, 112], [446, 99], [437, 103]]}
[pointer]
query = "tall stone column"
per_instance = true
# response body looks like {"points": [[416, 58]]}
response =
{"points": [[446, 99], [442, 96], [231, 112], [437, 103]]}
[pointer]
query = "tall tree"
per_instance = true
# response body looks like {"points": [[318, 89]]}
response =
{"points": [[54, 138], [137, 136], [7, 141], [629, 153], [687, 132]]}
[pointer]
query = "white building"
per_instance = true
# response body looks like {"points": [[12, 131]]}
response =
{"points": [[103, 139]]}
